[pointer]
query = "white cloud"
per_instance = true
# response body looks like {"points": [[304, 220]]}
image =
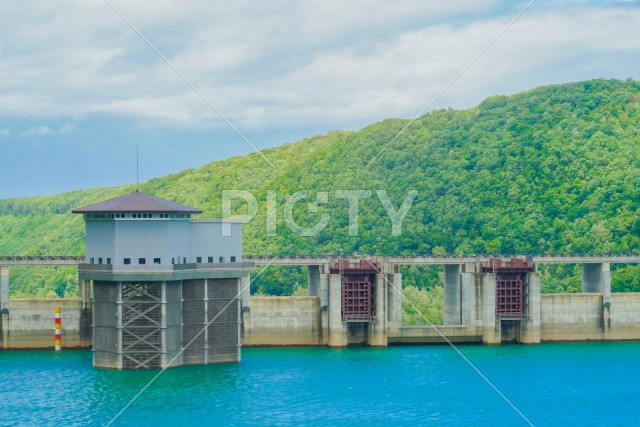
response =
{"points": [[38, 131], [5, 132], [267, 65]]}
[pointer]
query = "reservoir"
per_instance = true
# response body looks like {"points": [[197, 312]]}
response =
{"points": [[551, 384]]}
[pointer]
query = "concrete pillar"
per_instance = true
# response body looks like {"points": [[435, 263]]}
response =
{"points": [[245, 292], [324, 290], [324, 307], [394, 304], [530, 328], [471, 295], [337, 329], [491, 331], [452, 297], [596, 278], [378, 330], [4, 288], [313, 285]]}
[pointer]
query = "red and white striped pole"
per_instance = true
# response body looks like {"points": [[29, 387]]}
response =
{"points": [[58, 329]]}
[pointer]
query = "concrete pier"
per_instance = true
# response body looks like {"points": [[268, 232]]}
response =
{"points": [[596, 278], [530, 326], [313, 284], [471, 288], [337, 329], [394, 303], [452, 295], [491, 332], [377, 334]]}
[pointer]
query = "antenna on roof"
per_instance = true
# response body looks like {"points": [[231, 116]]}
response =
{"points": [[137, 168]]}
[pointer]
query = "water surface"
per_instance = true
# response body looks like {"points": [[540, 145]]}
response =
{"points": [[552, 384]]}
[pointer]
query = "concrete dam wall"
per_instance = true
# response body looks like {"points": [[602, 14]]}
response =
{"points": [[300, 321], [30, 324], [584, 317], [276, 321]]}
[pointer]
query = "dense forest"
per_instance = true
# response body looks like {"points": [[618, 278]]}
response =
{"points": [[554, 169]]}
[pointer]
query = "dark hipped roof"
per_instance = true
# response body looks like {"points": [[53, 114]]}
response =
{"points": [[137, 202]]}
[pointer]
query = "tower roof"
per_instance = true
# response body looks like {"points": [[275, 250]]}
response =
{"points": [[137, 202]]}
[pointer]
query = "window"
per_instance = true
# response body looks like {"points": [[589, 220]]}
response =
{"points": [[221, 259], [142, 261], [91, 261], [210, 259], [233, 259], [156, 260], [199, 259], [109, 261], [127, 261], [99, 260]]}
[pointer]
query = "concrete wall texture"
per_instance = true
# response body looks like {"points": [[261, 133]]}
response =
{"points": [[29, 324], [283, 321], [584, 317]]}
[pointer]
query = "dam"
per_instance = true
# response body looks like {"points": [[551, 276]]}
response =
{"points": [[476, 309], [159, 289]]}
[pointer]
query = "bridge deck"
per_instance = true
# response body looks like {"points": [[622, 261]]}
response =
{"points": [[292, 260]]}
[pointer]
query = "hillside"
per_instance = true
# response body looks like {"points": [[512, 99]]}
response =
{"points": [[553, 169]]}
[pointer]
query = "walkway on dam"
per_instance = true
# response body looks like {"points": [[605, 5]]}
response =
{"points": [[292, 260]]}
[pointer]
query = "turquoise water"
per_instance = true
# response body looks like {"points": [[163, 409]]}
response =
{"points": [[552, 384]]}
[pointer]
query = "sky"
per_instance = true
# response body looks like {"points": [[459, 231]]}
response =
{"points": [[80, 89]]}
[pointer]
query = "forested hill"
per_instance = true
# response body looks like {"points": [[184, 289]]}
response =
{"points": [[553, 169]]}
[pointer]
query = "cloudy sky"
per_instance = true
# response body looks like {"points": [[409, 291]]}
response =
{"points": [[79, 88]]}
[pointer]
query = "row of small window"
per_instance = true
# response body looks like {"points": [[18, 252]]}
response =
{"points": [[137, 215], [142, 261]]}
